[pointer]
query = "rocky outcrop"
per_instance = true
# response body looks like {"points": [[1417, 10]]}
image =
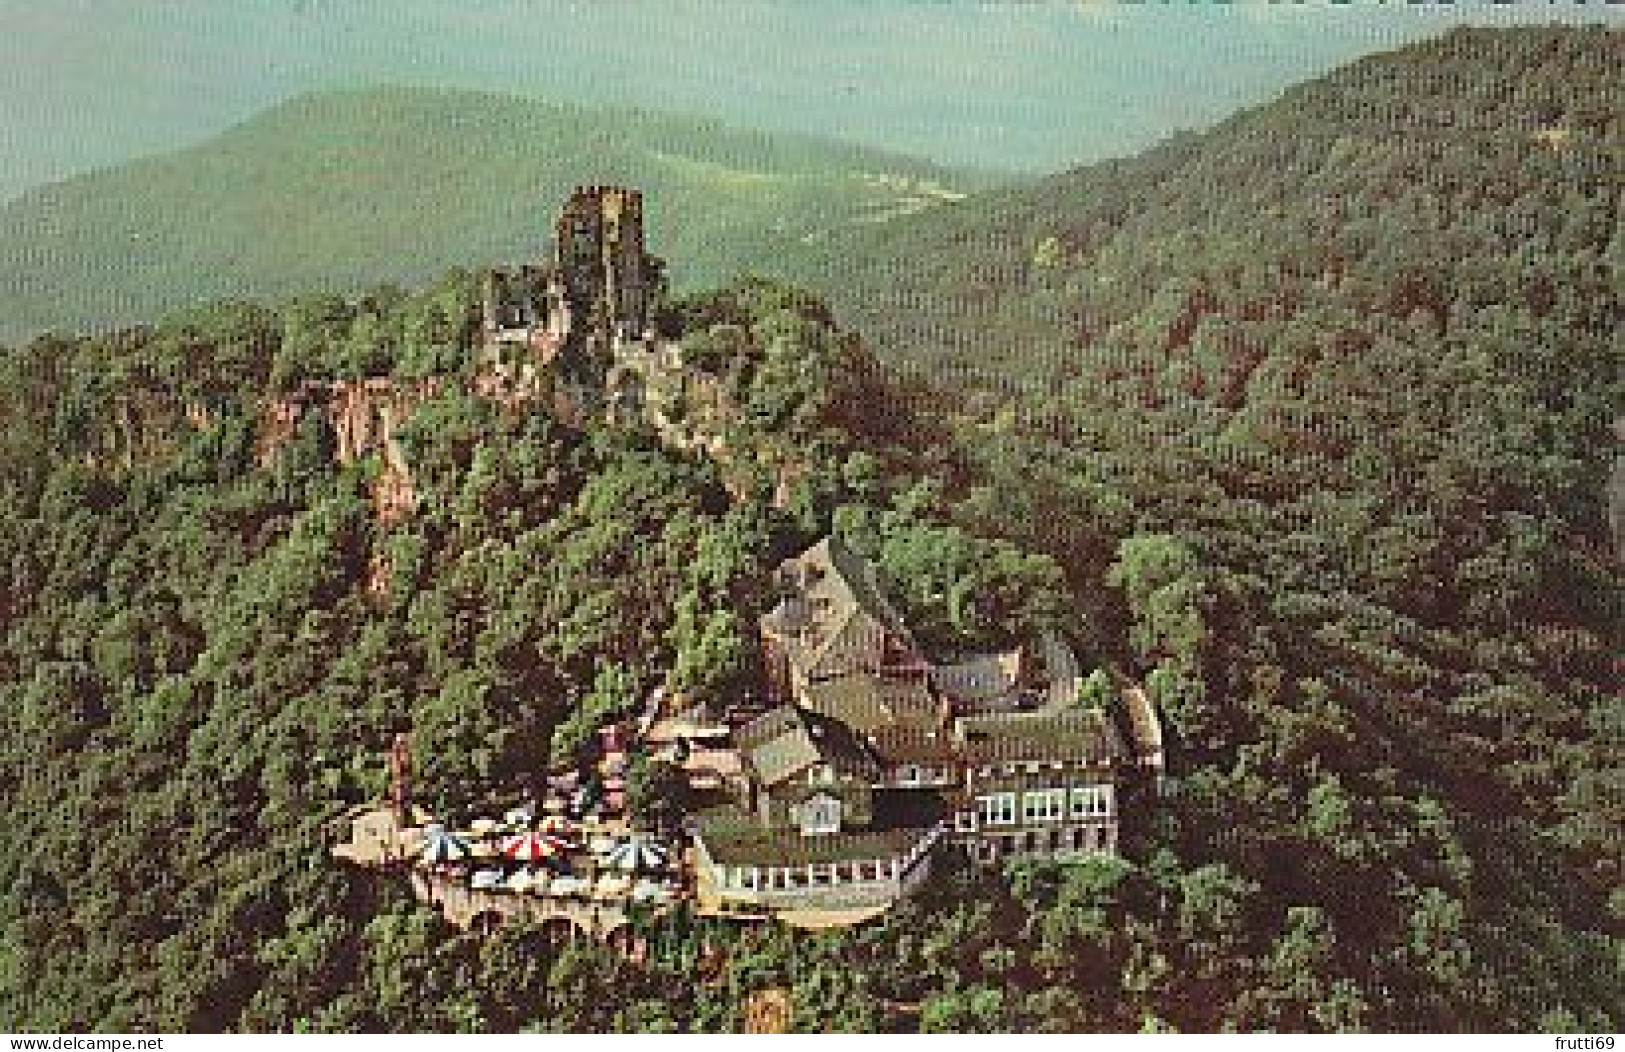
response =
{"points": [[365, 418]]}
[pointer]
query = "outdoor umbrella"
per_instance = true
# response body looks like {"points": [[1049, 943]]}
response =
{"points": [[520, 817], [484, 826], [650, 891], [638, 854], [568, 886], [532, 847], [556, 824], [440, 846], [486, 879]]}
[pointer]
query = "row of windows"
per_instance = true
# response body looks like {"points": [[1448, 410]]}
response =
{"points": [[911, 773], [1055, 841], [914, 774], [1044, 805]]}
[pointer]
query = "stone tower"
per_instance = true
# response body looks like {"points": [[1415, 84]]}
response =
{"points": [[600, 256]]}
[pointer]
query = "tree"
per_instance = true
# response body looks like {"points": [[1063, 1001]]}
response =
{"points": [[657, 792]]}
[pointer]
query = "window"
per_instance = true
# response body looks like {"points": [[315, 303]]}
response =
{"points": [[999, 809], [1044, 805], [965, 821], [1092, 801], [820, 814], [908, 774]]}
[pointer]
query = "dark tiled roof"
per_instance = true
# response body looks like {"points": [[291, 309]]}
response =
{"points": [[834, 612], [914, 744], [1014, 737], [783, 742], [867, 702], [980, 678]]}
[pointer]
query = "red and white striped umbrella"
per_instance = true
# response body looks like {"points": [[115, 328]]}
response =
{"points": [[533, 847]]}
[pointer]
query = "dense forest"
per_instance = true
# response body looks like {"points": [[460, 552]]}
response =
{"points": [[1304, 422]]}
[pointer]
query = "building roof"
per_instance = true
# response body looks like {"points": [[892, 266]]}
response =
{"points": [[868, 701], [783, 742], [1083, 734], [980, 679], [832, 610], [917, 745], [1044, 671], [1144, 726]]}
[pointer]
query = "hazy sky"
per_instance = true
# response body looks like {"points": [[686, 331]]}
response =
{"points": [[1014, 84]]}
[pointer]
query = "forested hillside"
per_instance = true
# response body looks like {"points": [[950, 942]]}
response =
{"points": [[1478, 170], [335, 192], [1304, 423]]}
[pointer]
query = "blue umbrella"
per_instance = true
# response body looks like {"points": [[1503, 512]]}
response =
{"points": [[441, 846]]}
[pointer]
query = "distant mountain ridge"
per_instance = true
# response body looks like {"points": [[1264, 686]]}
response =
{"points": [[1435, 159], [345, 189]]}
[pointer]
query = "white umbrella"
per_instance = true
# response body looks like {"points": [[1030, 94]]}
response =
{"points": [[640, 853], [484, 826], [441, 846], [568, 886], [650, 891], [486, 879]]}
